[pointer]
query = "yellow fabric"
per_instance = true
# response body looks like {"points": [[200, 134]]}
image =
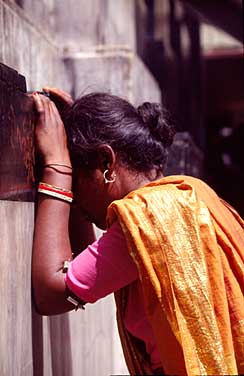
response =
{"points": [[188, 246]]}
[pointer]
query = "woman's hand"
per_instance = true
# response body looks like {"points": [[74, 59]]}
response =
{"points": [[51, 137], [61, 98]]}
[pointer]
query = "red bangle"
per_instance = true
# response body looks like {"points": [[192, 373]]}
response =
{"points": [[55, 187], [51, 190]]}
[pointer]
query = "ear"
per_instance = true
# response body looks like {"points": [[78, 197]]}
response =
{"points": [[106, 158]]}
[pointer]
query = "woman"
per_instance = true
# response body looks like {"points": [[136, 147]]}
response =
{"points": [[172, 253]]}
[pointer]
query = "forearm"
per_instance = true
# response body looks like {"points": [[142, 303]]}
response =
{"points": [[51, 247]]}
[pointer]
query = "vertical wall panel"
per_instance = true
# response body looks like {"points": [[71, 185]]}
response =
{"points": [[16, 228]]}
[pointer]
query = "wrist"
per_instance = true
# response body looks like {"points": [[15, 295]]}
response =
{"points": [[53, 177], [61, 160], [59, 168]]}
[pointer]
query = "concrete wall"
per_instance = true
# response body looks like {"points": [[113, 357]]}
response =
{"points": [[26, 47], [79, 24], [79, 46]]}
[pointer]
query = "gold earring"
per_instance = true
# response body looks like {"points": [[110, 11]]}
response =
{"points": [[106, 180]]}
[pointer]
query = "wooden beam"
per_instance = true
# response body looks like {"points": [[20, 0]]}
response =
{"points": [[226, 15], [16, 138]]}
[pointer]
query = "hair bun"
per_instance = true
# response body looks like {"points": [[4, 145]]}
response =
{"points": [[156, 118]]}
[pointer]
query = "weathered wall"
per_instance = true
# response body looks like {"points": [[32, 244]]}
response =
{"points": [[16, 228], [28, 48], [79, 46], [83, 25]]}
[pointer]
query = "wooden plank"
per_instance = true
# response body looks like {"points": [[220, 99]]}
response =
{"points": [[16, 228], [60, 345], [16, 138], [226, 15]]}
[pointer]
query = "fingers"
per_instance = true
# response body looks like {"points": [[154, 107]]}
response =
{"points": [[40, 107], [38, 103], [42, 102], [43, 107], [54, 109], [58, 93]]}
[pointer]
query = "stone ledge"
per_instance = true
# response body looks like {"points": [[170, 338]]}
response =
{"points": [[42, 62], [116, 70]]}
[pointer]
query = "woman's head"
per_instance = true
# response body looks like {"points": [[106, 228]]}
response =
{"points": [[106, 133], [139, 137]]}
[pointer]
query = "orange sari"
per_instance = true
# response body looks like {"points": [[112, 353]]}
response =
{"points": [[188, 246]]}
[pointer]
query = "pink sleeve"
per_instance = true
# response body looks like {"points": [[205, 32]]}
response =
{"points": [[102, 268]]}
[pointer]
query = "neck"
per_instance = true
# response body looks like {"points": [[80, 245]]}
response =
{"points": [[131, 181]]}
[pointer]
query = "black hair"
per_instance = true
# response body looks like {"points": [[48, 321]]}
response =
{"points": [[140, 137]]}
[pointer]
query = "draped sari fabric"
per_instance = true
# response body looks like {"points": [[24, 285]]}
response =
{"points": [[188, 246]]}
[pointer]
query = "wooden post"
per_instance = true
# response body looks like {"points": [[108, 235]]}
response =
{"points": [[16, 138], [16, 224]]}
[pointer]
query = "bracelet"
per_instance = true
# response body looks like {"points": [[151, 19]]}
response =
{"points": [[59, 171], [57, 164], [73, 299], [65, 266], [75, 302], [55, 187], [57, 192]]}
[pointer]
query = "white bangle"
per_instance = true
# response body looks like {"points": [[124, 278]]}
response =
{"points": [[59, 195]]}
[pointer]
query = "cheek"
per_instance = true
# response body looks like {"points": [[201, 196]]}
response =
{"points": [[90, 194], [82, 185], [84, 196], [89, 197]]}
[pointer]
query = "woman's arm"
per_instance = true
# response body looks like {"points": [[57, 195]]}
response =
{"points": [[51, 245], [81, 232], [51, 248]]}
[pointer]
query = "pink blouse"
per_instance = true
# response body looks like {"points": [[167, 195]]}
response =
{"points": [[105, 267]]}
